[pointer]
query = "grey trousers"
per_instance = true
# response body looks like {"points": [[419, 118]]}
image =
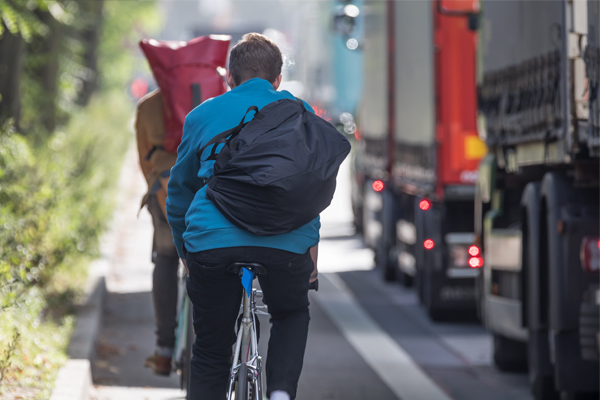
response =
{"points": [[164, 277]]}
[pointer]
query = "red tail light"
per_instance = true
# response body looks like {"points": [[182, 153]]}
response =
{"points": [[474, 251], [429, 244], [357, 135], [378, 186], [424, 204], [139, 88], [590, 254], [475, 262]]}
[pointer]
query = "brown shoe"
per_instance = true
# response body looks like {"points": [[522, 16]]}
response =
{"points": [[160, 365]]}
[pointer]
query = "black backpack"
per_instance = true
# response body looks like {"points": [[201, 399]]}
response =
{"points": [[276, 172]]}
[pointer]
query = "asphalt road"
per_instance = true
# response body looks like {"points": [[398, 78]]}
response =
{"points": [[368, 339]]}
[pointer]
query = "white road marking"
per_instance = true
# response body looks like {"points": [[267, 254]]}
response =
{"points": [[393, 365]]}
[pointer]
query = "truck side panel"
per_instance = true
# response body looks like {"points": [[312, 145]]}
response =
{"points": [[415, 102], [372, 112], [372, 116], [510, 37], [414, 95]]}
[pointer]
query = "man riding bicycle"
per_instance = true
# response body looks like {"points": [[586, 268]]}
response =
{"points": [[208, 242]]}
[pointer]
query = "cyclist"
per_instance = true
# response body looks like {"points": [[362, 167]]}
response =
{"points": [[156, 163], [209, 242]]}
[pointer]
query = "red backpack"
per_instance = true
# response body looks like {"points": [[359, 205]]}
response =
{"points": [[186, 73]]}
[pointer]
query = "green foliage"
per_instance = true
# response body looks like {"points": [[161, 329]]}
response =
{"points": [[60, 67], [59, 169], [55, 200], [18, 17], [122, 31]]}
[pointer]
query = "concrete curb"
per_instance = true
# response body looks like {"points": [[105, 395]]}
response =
{"points": [[74, 379]]}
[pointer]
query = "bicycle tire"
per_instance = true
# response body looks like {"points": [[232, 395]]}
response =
{"points": [[241, 392], [187, 357], [258, 383]]}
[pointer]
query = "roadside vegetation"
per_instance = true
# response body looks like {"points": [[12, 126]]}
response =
{"points": [[65, 117]]}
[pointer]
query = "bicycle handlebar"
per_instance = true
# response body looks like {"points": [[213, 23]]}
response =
{"points": [[314, 285]]}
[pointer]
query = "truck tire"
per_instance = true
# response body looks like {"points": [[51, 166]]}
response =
{"points": [[589, 326], [384, 262], [405, 279], [389, 273], [479, 297], [542, 388], [357, 220], [509, 355], [579, 396], [419, 286], [436, 314]]}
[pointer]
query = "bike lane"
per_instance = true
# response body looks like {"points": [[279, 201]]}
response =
{"points": [[333, 369]]}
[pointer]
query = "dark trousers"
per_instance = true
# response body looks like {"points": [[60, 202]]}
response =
{"points": [[216, 295], [164, 277]]}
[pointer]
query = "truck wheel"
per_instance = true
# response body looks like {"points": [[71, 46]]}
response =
{"points": [[405, 279], [479, 296], [542, 388], [589, 326], [579, 396], [509, 355], [357, 221], [436, 314], [387, 266], [419, 286], [389, 273], [540, 376]]}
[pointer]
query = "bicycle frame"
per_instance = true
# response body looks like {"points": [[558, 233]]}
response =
{"points": [[246, 348]]}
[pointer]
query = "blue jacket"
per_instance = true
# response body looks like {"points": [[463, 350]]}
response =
{"points": [[194, 219]]}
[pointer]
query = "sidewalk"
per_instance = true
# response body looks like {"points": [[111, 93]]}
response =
{"points": [[126, 337]]}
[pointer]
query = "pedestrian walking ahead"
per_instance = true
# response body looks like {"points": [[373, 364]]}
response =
{"points": [[209, 242], [156, 163]]}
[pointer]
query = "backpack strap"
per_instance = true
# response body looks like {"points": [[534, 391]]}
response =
{"points": [[300, 101], [221, 138]]}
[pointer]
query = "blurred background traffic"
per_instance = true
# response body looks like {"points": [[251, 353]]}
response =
{"points": [[473, 177]]}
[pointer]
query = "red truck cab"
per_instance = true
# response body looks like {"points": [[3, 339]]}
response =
{"points": [[418, 137]]}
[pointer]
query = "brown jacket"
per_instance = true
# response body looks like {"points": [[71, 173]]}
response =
{"points": [[150, 130]]}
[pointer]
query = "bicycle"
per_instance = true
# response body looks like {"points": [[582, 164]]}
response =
{"points": [[185, 337], [245, 379]]}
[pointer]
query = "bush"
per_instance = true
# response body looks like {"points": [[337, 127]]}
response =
{"points": [[55, 200]]}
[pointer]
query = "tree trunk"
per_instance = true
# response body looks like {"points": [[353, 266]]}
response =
{"points": [[43, 59], [11, 66], [90, 37]]}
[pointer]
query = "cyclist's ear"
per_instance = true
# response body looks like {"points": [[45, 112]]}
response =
{"points": [[276, 82], [230, 80]]}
